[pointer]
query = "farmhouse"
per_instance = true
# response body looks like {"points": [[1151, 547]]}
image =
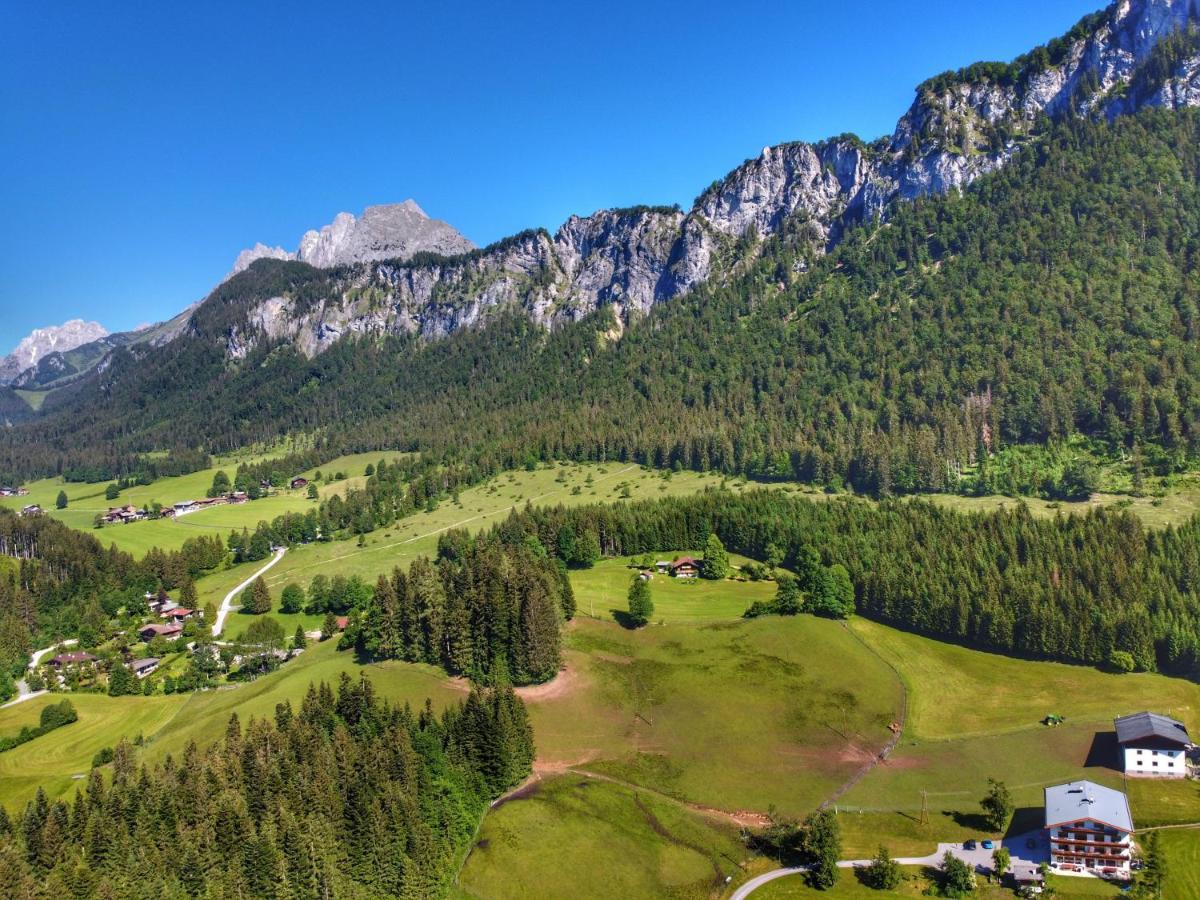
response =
{"points": [[122, 515], [31, 510], [176, 613], [1090, 828], [1153, 745], [74, 658], [143, 667], [663, 566], [685, 567], [299, 482], [185, 506], [150, 632]]}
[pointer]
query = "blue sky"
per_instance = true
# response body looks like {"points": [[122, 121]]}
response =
{"points": [[143, 144]]}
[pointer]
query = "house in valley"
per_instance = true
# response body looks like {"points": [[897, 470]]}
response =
{"points": [[121, 515], [150, 632], [663, 566], [685, 567], [31, 510], [1153, 745], [74, 658], [299, 482], [1090, 829], [143, 667], [176, 613]]}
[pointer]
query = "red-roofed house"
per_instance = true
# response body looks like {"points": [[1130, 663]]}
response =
{"points": [[150, 632], [685, 567]]}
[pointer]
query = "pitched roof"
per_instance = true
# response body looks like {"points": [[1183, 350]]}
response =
{"points": [[161, 629], [73, 657], [1079, 800], [149, 662], [684, 561], [1143, 725]]}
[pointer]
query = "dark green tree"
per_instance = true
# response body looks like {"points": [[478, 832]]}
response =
{"points": [[883, 874], [715, 565], [60, 502], [997, 805], [256, 599], [822, 848], [641, 605]]}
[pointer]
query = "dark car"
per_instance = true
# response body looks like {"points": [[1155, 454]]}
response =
{"points": [[968, 845]]}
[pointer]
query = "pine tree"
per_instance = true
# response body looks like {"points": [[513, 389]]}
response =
{"points": [[256, 599], [187, 594], [641, 606], [60, 501], [716, 560], [823, 848], [299, 639]]}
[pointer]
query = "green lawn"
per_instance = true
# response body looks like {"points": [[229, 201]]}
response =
{"points": [[578, 837], [1163, 801], [605, 587], [915, 884], [1182, 850]]}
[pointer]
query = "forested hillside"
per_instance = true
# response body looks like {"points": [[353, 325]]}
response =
{"points": [[346, 796], [1056, 295], [1072, 588]]}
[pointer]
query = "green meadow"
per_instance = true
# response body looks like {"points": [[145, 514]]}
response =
{"points": [[604, 588], [567, 836]]}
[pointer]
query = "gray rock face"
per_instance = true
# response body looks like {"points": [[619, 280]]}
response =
{"points": [[396, 231], [44, 341], [959, 127]]}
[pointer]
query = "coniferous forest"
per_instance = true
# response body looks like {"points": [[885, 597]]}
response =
{"points": [[1054, 296], [344, 797], [1073, 588], [488, 609]]}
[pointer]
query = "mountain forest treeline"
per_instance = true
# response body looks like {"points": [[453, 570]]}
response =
{"points": [[346, 796], [1071, 588], [1055, 296]]}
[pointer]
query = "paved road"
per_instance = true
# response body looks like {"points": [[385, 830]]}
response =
{"points": [[227, 603], [23, 691], [977, 859]]}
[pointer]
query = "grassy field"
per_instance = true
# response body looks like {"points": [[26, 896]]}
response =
{"points": [[916, 881], [956, 692], [567, 836], [478, 508], [605, 587], [56, 760], [975, 715], [738, 716], [1182, 850]]}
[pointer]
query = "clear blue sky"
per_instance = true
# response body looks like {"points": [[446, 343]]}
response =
{"points": [[142, 144]]}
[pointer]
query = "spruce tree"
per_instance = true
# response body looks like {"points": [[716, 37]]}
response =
{"points": [[256, 599], [641, 606], [299, 639], [715, 565]]}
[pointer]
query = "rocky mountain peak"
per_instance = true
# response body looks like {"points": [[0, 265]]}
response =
{"points": [[389, 231], [43, 341]]}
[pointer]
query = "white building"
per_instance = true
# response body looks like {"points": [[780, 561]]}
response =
{"points": [[1153, 745], [1090, 829]]}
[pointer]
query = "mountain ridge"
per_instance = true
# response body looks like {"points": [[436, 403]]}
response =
{"points": [[961, 125]]}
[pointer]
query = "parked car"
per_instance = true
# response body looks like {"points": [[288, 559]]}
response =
{"points": [[968, 845], [988, 845]]}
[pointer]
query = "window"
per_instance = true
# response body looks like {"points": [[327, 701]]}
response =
{"points": [[1140, 752], [1156, 762]]}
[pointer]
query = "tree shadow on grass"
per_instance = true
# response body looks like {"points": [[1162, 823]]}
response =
{"points": [[972, 821], [624, 619]]}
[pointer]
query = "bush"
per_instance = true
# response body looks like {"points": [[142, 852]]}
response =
{"points": [[103, 757]]}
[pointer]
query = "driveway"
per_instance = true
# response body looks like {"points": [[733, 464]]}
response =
{"points": [[979, 859]]}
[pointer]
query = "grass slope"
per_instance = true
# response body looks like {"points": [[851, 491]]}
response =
{"points": [[578, 837], [54, 761], [738, 716]]}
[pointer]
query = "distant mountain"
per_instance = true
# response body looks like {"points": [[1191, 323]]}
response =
{"points": [[43, 341], [347, 332], [396, 231]]}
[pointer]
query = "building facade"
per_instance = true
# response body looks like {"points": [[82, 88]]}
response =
{"points": [[1090, 829], [1153, 745]]}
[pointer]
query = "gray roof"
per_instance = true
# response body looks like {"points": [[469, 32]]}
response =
{"points": [[1081, 800], [138, 664], [1144, 725]]}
